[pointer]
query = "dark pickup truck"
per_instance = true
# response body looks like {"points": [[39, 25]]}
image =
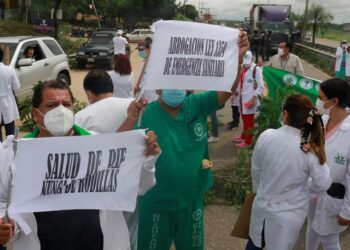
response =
{"points": [[97, 50]]}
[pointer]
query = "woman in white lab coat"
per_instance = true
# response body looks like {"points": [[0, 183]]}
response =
{"points": [[329, 212], [283, 161], [250, 88]]}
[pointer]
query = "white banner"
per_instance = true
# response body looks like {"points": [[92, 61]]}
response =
{"points": [[188, 55], [78, 172]]}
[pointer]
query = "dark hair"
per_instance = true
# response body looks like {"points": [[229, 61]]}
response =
{"points": [[98, 82], [298, 107], [122, 65], [1, 54], [289, 45], [337, 88], [54, 84], [148, 42]]}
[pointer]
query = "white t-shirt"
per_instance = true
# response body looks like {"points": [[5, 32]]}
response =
{"points": [[122, 84], [104, 116], [119, 45]]}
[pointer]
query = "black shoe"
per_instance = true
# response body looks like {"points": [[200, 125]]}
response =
{"points": [[232, 126]]}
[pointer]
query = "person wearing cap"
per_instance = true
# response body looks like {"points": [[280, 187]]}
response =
{"points": [[120, 43], [285, 60], [251, 86], [341, 63]]}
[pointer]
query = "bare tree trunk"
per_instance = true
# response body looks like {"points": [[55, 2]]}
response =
{"points": [[55, 20], [314, 26], [305, 20], [22, 9]]}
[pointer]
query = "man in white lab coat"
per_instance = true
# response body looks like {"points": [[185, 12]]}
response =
{"points": [[8, 107]]}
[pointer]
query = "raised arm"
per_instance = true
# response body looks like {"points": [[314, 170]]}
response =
{"points": [[243, 44]]}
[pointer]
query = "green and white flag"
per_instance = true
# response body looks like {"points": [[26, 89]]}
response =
{"points": [[279, 79]]}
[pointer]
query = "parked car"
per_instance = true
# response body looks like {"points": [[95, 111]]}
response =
{"points": [[48, 63], [97, 50], [140, 34]]}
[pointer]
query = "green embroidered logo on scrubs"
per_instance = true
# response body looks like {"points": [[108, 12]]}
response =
{"points": [[340, 159], [197, 215], [198, 130]]}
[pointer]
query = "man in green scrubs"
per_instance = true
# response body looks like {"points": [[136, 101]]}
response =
{"points": [[172, 211]]}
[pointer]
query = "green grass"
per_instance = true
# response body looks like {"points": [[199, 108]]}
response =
{"points": [[15, 28], [337, 35]]}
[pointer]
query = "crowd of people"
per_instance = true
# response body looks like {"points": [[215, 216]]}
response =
{"points": [[298, 171]]}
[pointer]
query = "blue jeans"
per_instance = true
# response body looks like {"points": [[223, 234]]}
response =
{"points": [[2, 248], [214, 125]]}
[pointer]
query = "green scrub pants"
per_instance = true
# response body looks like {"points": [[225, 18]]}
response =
{"points": [[184, 228]]}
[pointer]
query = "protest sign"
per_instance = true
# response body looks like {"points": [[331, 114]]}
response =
{"points": [[78, 172], [279, 79], [188, 55]]}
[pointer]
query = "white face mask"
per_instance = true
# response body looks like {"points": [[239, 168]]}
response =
{"points": [[280, 51], [58, 121], [344, 46], [320, 107]]}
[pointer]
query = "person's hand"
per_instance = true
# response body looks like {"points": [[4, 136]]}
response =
{"points": [[343, 222], [136, 89], [243, 44], [6, 231], [152, 146], [135, 108], [251, 103]]}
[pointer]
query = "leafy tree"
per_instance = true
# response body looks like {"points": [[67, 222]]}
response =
{"points": [[318, 16], [189, 11]]}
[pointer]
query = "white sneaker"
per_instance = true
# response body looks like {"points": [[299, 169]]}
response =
{"points": [[213, 139]]}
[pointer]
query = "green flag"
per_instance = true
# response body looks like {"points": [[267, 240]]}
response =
{"points": [[279, 79]]}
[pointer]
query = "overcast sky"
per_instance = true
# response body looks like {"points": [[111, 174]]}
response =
{"points": [[238, 9]]}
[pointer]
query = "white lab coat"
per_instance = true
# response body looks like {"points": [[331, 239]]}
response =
{"points": [[8, 82], [248, 91], [347, 65], [339, 58], [280, 173], [323, 215]]}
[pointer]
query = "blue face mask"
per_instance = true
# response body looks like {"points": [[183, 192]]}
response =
{"points": [[142, 53], [173, 97]]}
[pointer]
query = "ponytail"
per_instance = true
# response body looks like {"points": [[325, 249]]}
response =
{"points": [[313, 136]]}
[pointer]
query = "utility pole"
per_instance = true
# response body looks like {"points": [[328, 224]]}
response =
{"points": [[305, 19], [184, 7], [201, 8], [98, 18]]}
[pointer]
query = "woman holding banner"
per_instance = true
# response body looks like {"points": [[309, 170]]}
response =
{"points": [[283, 161], [329, 212]]}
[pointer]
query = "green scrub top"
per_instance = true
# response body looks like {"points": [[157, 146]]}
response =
{"points": [[78, 130], [180, 178]]}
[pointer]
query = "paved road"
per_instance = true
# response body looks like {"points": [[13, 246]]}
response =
{"points": [[219, 219], [328, 42]]}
